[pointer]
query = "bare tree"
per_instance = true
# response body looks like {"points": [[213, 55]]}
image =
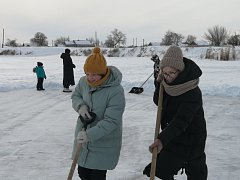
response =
{"points": [[109, 42], [216, 35], [172, 38], [61, 41], [234, 40], [12, 43], [191, 40], [39, 39], [93, 41], [116, 38]]}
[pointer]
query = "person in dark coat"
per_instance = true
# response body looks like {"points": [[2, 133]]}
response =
{"points": [[156, 60], [68, 74], [181, 143]]}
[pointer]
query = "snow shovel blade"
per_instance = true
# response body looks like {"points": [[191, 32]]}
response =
{"points": [[136, 90]]}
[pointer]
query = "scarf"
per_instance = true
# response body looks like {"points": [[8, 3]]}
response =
{"points": [[180, 89], [101, 81]]}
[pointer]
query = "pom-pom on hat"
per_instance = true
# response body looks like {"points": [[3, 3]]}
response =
{"points": [[95, 63], [173, 58]]}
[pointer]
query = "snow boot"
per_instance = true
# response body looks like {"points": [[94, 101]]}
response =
{"points": [[66, 90]]}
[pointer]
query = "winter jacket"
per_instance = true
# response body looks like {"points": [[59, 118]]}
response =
{"points": [[183, 124], [40, 72], [107, 101], [68, 75]]}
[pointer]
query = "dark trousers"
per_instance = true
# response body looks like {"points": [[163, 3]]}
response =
{"points": [[197, 168], [91, 174], [40, 83], [168, 164]]}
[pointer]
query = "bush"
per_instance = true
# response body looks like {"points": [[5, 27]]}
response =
{"points": [[114, 53], [87, 52], [8, 52]]}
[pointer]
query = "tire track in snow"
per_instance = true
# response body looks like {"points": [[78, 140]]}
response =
{"points": [[33, 123]]}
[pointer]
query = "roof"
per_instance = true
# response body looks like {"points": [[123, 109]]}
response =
{"points": [[82, 42]]}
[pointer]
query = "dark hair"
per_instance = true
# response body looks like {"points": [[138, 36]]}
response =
{"points": [[39, 63]]}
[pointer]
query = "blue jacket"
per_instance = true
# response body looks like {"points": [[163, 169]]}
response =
{"points": [[40, 72], [107, 101]]}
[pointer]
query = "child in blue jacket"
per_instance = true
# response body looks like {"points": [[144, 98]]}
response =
{"points": [[40, 75]]}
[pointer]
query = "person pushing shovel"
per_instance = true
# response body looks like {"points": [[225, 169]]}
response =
{"points": [[181, 143], [99, 92]]}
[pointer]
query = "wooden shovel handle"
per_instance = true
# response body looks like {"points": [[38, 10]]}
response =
{"points": [[74, 162], [157, 129]]}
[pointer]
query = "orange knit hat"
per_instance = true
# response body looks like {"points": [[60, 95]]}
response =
{"points": [[95, 62]]}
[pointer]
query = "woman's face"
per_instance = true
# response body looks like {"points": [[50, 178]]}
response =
{"points": [[170, 74], [93, 77]]}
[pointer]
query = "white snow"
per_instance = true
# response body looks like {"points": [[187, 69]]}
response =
{"points": [[36, 128]]}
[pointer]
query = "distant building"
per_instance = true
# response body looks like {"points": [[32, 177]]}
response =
{"points": [[154, 44], [69, 43], [203, 43], [200, 43], [190, 43], [26, 44], [79, 43]]}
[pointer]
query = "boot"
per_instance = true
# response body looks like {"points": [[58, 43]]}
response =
{"points": [[66, 90]]}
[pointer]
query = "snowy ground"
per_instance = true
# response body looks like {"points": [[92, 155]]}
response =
{"points": [[36, 128]]}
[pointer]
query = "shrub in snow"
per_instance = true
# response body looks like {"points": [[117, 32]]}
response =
{"points": [[114, 52], [8, 52]]}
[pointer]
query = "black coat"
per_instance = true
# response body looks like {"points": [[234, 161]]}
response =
{"points": [[68, 75], [183, 124]]}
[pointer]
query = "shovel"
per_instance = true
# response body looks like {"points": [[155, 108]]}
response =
{"points": [[139, 90], [85, 122]]}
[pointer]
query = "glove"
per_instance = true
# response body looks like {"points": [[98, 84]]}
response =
{"points": [[82, 137], [83, 111]]}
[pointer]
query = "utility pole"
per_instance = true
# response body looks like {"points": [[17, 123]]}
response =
{"points": [[136, 41], [143, 42], [96, 43], [3, 39], [133, 42]]}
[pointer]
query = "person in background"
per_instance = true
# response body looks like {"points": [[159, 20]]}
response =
{"points": [[99, 91], [181, 143], [68, 74], [40, 76], [156, 60]]}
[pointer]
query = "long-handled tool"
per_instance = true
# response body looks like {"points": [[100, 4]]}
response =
{"points": [[139, 90], [85, 122], [157, 129]]}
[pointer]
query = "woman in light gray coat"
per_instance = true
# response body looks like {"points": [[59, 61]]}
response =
{"points": [[100, 92]]}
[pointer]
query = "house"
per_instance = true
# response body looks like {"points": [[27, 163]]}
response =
{"points": [[83, 43], [69, 44], [154, 44], [79, 43]]}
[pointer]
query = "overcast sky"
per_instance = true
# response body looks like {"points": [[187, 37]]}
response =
{"points": [[141, 19]]}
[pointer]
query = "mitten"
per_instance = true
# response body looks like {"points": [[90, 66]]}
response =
{"points": [[83, 111], [82, 137]]}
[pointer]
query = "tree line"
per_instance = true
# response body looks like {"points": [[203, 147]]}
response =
{"points": [[216, 36]]}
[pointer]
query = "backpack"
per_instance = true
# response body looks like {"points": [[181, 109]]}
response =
{"points": [[34, 69]]}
